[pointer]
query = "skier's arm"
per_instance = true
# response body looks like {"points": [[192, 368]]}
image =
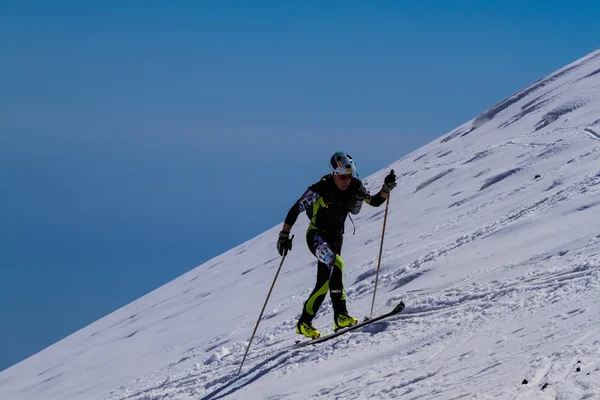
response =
{"points": [[307, 200], [377, 199], [388, 184], [364, 196], [286, 228]]}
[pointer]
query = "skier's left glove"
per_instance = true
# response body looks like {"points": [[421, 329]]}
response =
{"points": [[284, 243], [389, 182]]}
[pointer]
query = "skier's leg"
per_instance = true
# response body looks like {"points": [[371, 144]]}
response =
{"points": [[312, 304], [326, 257], [336, 281], [336, 287], [341, 318]]}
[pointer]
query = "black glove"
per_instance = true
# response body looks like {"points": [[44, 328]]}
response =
{"points": [[284, 243], [389, 182]]}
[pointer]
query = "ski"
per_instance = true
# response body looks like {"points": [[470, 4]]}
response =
{"points": [[398, 309]]}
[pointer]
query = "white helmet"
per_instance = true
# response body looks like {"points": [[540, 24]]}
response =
{"points": [[342, 164]]}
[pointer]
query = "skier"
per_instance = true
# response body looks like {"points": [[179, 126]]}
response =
{"points": [[327, 203]]}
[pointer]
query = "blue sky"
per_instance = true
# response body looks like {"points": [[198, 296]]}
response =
{"points": [[139, 139]]}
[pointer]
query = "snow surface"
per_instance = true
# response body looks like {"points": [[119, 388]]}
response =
{"points": [[498, 267]]}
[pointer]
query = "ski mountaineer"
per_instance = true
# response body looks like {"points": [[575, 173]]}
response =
{"points": [[327, 204]]}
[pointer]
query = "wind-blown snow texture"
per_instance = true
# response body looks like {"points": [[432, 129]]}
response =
{"points": [[491, 241]]}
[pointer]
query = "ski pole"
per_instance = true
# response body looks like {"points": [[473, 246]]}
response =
{"points": [[263, 310], [380, 251]]}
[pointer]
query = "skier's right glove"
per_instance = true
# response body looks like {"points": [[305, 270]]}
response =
{"points": [[284, 243]]}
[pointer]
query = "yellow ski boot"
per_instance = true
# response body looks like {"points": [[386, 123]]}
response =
{"points": [[342, 321], [306, 329]]}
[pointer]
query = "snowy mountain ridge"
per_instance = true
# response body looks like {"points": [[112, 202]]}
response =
{"points": [[491, 242]]}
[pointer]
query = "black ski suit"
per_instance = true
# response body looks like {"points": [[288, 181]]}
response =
{"points": [[327, 208]]}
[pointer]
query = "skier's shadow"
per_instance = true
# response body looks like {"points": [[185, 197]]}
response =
{"points": [[376, 327], [235, 379]]}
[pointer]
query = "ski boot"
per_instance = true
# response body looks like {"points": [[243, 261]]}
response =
{"points": [[307, 329], [341, 321]]}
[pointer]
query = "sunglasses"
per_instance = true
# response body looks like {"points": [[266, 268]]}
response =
{"points": [[344, 177]]}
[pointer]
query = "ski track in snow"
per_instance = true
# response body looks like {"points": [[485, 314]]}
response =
{"points": [[466, 307]]}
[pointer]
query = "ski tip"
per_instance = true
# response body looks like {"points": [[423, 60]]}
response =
{"points": [[399, 307]]}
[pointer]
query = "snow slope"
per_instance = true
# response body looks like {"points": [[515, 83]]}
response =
{"points": [[491, 242]]}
